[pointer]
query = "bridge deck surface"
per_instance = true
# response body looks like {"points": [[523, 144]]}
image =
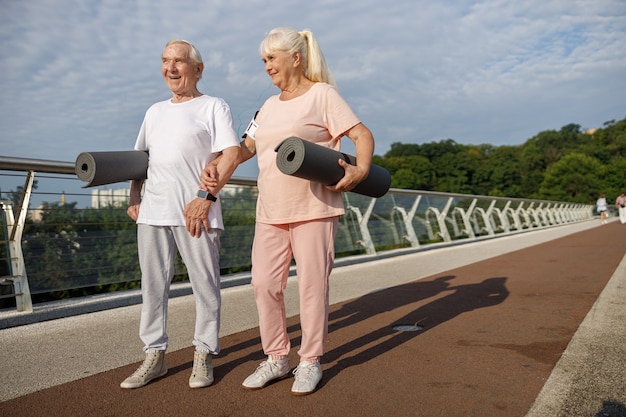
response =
{"points": [[527, 325]]}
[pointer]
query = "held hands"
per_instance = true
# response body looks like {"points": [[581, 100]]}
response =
{"points": [[197, 216], [197, 211], [208, 177], [352, 177]]}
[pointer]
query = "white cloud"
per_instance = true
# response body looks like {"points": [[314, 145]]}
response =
{"points": [[79, 75]]}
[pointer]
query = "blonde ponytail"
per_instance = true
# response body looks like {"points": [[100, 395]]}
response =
{"points": [[304, 42]]}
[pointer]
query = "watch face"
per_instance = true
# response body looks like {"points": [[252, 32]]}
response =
{"points": [[206, 195]]}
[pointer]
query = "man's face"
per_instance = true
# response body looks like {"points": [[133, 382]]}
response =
{"points": [[180, 74]]}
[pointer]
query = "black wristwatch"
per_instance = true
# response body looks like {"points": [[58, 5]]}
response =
{"points": [[205, 195]]}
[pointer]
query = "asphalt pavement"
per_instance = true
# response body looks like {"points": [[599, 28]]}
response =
{"points": [[532, 324]]}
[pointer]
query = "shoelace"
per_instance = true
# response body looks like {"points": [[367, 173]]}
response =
{"points": [[266, 367], [304, 372], [145, 366], [199, 365]]}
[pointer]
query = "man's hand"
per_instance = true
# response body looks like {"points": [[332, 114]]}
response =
{"points": [[197, 216], [135, 199], [133, 211]]}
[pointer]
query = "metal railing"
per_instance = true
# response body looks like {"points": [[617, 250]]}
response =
{"points": [[60, 248]]}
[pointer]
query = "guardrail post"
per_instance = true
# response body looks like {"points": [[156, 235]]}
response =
{"points": [[366, 239], [441, 219], [470, 213], [408, 227], [524, 213], [18, 276], [491, 223], [504, 219], [408, 223]]}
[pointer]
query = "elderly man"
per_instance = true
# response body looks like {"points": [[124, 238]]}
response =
{"points": [[182, 135]]}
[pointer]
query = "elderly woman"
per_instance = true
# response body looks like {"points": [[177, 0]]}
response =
{"points": [[295, 217]]}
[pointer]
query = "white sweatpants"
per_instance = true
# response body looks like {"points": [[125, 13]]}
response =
{"points": [[157, 247]]}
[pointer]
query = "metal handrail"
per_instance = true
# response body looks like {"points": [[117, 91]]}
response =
{"points": [[409, 219], [40, 165]]}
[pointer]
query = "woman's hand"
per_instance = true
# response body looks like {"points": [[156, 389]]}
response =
{"points": [[364, 141], [352, 177], [208, 177]]}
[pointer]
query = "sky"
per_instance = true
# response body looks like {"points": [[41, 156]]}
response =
{"points": [[78, 76]]}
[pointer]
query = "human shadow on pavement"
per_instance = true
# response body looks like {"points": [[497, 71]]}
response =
{"points": [[353, 312], [461, 299], [611, 408]]}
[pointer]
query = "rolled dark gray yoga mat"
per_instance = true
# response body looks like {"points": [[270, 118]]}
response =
{"points": [[307, 160], [101, 168]]}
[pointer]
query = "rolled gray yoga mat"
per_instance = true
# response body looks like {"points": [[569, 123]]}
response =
{"points": [[101, 168], [304, 159]]}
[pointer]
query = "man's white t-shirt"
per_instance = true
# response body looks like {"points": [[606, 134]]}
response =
{"points": [[180, 139]]}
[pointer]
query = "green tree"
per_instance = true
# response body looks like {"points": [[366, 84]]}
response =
{"points": [[411, 172], [50, 247], [513, 171], [17, 196], [403, 149], [504, 170], [434, 150], [238, 210], [575, 177], [615, 178]]}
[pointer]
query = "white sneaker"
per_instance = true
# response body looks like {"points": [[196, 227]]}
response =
{"points": [[267, 371], [152, 367], [202, 373], [308, 375]]}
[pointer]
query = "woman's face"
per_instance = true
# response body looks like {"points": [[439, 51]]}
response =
{"points": [[280, 66]]}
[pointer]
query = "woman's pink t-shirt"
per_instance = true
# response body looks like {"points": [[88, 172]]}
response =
{"points": [[320, 116]]}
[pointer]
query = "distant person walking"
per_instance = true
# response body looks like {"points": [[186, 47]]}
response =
{"points": [[181, 134], [620, 205], [601, 207]]}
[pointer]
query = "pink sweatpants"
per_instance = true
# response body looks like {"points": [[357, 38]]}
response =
{"points": [[312, 245]]}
